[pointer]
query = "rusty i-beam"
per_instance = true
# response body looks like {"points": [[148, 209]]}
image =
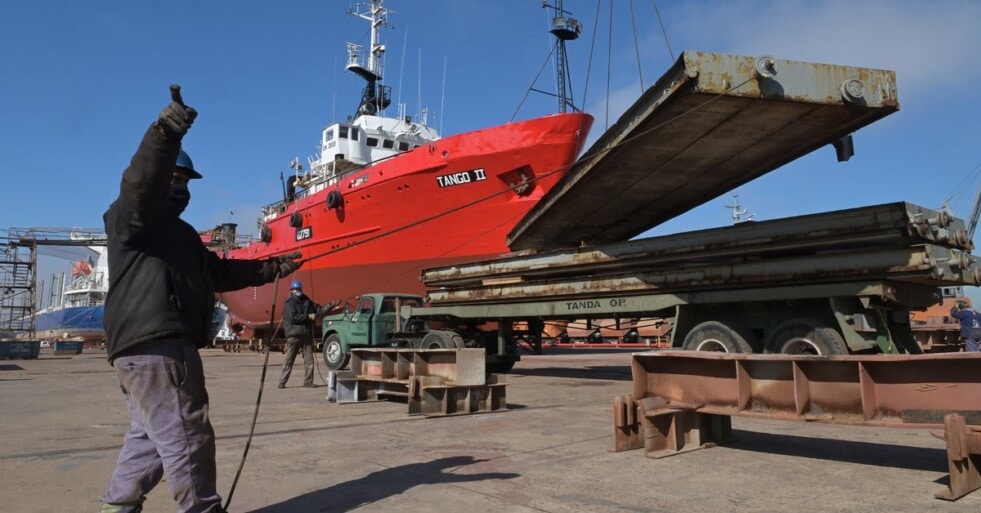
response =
{"points": [[684, 400]]}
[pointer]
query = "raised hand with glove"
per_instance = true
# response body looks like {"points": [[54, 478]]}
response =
{"points": [[176, 118], [324, 310], [286, 264]]}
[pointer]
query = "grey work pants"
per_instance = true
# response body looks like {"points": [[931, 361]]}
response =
{"points": [[170, 433], [971, 345], [293, 345]]}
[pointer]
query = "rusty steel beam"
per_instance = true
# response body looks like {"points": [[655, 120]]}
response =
{"points": [[925, 265], [434, 382], [889, 225], [880, 390], [683, 400], [462, 367]]}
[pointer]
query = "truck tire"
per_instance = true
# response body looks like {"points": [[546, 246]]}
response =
{"points": [[721, 337], [500, 367], [335, 357], [439, 339], [805, 336]]}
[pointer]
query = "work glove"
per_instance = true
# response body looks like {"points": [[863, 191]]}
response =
{"points": [[324, 310], [176, 118], [286, 264], [312, 316]]}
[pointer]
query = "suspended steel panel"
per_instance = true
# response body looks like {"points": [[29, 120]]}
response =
{"points": [[712, 123]]}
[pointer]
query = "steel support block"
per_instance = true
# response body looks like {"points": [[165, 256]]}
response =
{"points": [[434, 382], [664, 429], [438, 400], [626, 424], [963, 457]]}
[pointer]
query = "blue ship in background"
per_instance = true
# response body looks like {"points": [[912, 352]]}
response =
{"points": [[78, 306], [80, 303]]}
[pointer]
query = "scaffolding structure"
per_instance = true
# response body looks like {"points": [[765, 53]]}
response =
{"points": [[19, 291], [18, 271], [18, 276]]}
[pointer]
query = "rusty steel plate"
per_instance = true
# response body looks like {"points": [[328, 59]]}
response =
{"points": [[712, 123]]}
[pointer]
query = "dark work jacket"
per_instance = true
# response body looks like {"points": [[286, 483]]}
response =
{"points": [[162, 280], [970, 323], [296, 316]]}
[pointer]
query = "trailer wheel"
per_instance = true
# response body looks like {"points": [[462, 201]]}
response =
{"points": [[335, 358], [720, 337], [805, 336], [439, 339]]}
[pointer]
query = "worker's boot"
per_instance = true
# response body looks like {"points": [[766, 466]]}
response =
{"points": [[122, 507]]}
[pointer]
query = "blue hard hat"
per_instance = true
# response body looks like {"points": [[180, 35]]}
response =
{"points": [[296, 285], [184, 162]]}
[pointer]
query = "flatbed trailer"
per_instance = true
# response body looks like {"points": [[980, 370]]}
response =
{"points": [[833, 283]]}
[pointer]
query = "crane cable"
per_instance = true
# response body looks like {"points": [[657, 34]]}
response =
{"points": [[258, 399], [594, 156]]}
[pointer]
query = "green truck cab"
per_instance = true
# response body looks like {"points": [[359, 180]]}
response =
{"points": [[403, 320], [371, 323]]}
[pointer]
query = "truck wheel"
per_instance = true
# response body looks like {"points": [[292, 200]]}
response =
{"points": [[335, 358], [438, 339], [720, 337], [805, 336], [500, 367]]}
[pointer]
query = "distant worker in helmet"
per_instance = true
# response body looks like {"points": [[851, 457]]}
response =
{"points": [[299, 317], [158, 312], [970, 321]]}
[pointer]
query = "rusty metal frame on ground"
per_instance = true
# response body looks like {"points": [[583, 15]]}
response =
{"points": [[434, 382], [684, 400]]}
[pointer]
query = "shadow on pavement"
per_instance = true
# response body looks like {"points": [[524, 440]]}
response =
{"points": [[863, 453], [614, 372], [383, 484]]}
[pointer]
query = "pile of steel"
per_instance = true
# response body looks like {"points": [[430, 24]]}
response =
{"points": [[434, 382], [894, 242]]}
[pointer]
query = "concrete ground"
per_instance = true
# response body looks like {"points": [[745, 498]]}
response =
{"points": [[62, 421]]}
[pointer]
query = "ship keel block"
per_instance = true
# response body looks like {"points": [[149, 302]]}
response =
{"points": [[712, 123]]}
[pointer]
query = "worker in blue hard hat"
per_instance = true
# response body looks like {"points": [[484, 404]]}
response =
{"points": [[970, 321], [158, 313], [299, 319]]}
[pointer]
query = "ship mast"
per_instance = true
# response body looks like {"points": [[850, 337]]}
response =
{"points": [[375, 97], [564, 29]]}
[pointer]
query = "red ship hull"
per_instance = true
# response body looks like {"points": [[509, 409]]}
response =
{"points": [[452, 201]]}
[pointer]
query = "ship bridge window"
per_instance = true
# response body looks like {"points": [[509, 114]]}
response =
{"points": [[354, 134], [372, 141], [328, 135], [342, 132], [388, 144], [403, 146]]}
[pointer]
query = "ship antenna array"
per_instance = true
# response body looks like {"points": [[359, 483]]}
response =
{"points": [[564, 29], [375, 97], [738, 212]]}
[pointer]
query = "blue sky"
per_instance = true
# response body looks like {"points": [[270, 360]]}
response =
{"points": [[82, 80]]}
